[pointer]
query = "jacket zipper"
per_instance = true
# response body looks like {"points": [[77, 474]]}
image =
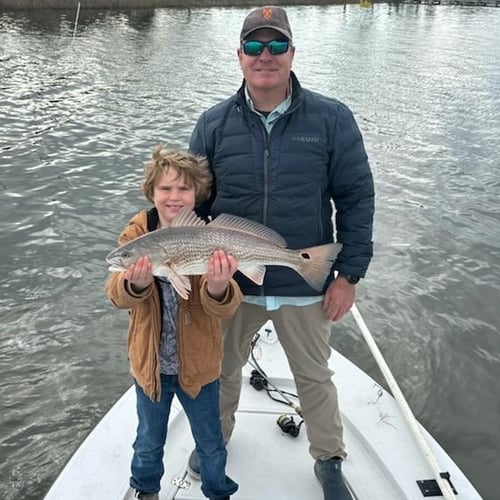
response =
{"points": [[266, 176], [267, 141]]}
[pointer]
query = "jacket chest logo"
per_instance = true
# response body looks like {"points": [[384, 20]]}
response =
{"points": [[306, 138]]}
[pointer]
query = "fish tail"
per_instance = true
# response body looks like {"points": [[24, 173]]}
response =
{"points": [[317, 263]]}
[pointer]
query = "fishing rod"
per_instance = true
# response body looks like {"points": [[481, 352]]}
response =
{"points": [[443, 483]]}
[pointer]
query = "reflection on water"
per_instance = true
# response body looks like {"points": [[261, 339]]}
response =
{"points": [[79, 117]]}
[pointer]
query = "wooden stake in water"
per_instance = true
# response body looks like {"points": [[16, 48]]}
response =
{"points": [[76, 20]]}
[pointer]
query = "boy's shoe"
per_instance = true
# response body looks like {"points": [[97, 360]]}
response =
{"points": [[329, 474], [193, 465], [146, 496]]}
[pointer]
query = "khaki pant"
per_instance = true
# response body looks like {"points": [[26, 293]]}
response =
{"points": [[304, 333]]}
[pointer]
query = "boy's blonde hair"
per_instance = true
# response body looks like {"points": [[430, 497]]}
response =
{"points": [[191, 168]]}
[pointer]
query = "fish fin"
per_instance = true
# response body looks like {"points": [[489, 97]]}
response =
{"points": [[186, 217], [254, 273], [317, 263], [256, 229], [181, 284]]}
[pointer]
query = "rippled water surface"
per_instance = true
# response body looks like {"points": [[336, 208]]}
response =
{"points": [[79, 117]]}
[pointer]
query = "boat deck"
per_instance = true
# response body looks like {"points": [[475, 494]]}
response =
{"points": [[384, 460]]}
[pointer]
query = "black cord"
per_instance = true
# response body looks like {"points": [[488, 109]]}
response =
{"points": [[259, 372], [259, 381]]}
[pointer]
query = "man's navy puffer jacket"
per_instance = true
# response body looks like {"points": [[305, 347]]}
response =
{"points": [[288, 178]]}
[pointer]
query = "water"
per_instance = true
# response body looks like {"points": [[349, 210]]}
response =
{"points": [[78, 118]]}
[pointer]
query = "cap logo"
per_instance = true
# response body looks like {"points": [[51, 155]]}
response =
{"points": [[267, 13]]}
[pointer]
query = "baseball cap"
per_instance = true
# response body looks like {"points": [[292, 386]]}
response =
{"points": [[266, 17]]}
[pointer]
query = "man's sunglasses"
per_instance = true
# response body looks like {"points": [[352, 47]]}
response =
{"points": [[256, 47]]}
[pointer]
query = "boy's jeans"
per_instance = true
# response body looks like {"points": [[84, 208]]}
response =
{"points": [[204, 418]]}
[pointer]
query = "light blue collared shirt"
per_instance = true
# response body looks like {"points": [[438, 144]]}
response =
{"points": [[272, 303], [271, 118]]}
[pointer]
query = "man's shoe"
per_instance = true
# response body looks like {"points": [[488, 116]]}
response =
{"points": [[146, 496], [329, 474], [193, 465]]}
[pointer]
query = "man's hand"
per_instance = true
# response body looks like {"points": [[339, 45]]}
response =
{"points": [[221, 268], [339, 298], [140, 274]]}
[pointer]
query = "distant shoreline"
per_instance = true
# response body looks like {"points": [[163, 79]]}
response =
{"points": [[149, 4]]}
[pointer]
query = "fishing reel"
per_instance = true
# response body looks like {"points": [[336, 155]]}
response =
{"points": [[288, 426], [257, 380]]}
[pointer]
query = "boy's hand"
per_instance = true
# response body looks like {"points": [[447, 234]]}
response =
{"points": [[140, 274], [221, 268]]}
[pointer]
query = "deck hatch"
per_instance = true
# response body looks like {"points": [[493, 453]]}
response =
{"points": [[430, 487]]}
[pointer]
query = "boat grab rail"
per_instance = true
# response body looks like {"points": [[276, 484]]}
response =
{"points": [[412, 422]]}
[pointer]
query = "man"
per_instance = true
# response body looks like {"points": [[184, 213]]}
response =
{"points": [[280, 155]]}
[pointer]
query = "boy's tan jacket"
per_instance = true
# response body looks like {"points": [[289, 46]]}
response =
{"points": [[199, 329]]}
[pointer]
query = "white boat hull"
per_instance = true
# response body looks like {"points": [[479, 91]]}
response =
{"points": [[384, 461]]}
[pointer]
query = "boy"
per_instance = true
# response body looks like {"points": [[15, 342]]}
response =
{"points": [[175, 345]]}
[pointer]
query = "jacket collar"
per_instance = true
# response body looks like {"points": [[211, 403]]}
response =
{"points": [[153, 219]]}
